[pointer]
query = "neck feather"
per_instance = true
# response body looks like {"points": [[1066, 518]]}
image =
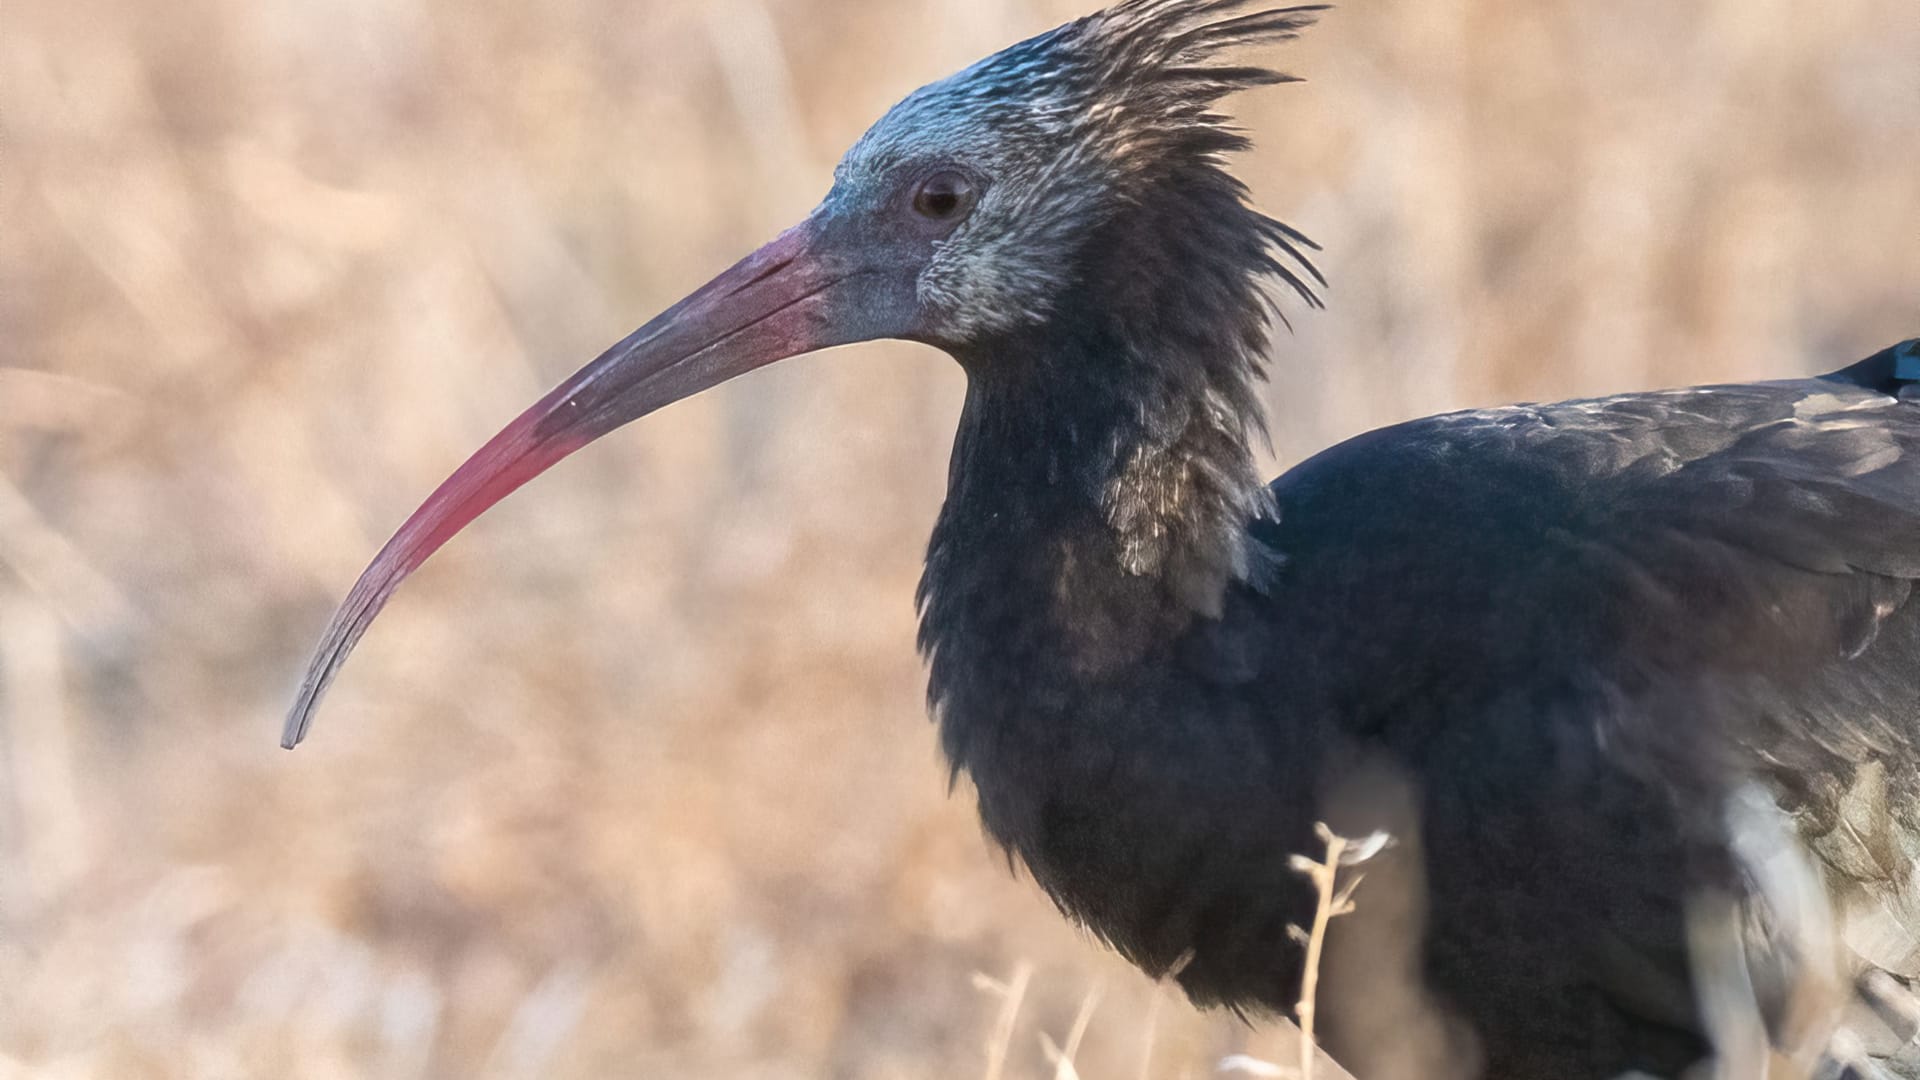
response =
{"points": [[1104, 472], [1098, 503]]}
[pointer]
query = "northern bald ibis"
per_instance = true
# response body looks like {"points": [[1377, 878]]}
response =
{"points": [[1617, 655]]}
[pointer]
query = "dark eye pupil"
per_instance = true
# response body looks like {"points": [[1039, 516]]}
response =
{"points": [[943, 196]]}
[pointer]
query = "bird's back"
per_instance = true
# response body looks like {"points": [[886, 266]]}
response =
{"points": [[1589, 633]]}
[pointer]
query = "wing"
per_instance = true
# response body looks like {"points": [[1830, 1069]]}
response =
{"points": [[1707, 589], [1671, 543]]}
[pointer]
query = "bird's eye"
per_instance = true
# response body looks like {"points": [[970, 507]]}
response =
{"points": [[944, 196]]}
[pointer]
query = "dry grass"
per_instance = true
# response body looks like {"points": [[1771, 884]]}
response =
{"points": [[634, 780]]}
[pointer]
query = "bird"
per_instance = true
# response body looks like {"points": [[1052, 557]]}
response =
{"points": [[1632, 680]]}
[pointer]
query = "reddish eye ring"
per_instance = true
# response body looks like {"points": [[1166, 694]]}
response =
{"points": [[945, 196]]}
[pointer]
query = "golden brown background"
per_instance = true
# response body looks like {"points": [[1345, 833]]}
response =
{"points": [[635, 779]]}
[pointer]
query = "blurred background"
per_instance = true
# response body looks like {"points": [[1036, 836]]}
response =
{"points": [[636, 779]]}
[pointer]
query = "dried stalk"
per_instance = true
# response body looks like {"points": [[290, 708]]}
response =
{"points": [[1333, 899]]}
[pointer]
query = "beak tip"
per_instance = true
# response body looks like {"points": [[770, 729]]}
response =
{"points": [[751, 315], [342, 633], [294, 730]]}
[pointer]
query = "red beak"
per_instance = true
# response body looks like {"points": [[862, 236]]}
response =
{"points": [[774, 304]]}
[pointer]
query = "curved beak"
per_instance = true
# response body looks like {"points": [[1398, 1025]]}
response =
{"points": [[778, 302]]}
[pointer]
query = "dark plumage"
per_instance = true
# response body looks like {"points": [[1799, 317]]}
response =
{"points": [[1621, 673]]}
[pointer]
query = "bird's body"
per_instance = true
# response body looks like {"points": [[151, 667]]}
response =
{"points": [[1636, 681], [1579, 628]]}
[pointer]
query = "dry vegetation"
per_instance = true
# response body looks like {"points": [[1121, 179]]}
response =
{"points": [[635, 780]]}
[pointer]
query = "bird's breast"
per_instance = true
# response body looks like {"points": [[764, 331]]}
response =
{"points": [[1160, 816]]}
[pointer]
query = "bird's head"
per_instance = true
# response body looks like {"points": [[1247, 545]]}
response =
{"points": [[986, 199], [1083, 165]]}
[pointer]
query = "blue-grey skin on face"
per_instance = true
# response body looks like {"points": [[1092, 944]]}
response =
{"points": [[1009, 132]]}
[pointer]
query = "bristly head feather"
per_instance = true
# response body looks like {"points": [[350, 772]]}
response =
{"points": [[1104, 116]]}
